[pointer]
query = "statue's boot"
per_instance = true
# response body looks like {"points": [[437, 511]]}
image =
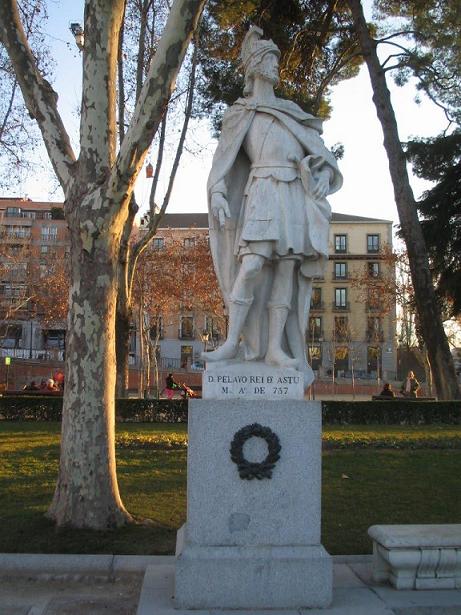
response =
{"points": [[275, 355], [238, 310]]}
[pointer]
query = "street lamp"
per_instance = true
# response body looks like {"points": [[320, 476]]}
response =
{"points": [[79, 34]]}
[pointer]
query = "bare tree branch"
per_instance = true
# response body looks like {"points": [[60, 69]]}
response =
{"points": [[155, 92], [39, 96]]}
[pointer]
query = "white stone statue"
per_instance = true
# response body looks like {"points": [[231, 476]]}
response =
{"points": [[269, 216]]}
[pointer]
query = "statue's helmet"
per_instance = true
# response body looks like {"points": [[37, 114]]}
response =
{"points": [[254, 48]]}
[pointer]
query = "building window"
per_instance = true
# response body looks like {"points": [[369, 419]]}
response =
{"points": [[158, 243], [340, 271], [156, 328], [375, 329], [212, 327], [316, 298], [10, 336], [186, 330], [373, 243], [13, 290], [374, 300], [54, 338], [340, 298], [314, 352], [340, 243], [373, 359], [19, 232], [49, 233], [374, 270], [341, 359], [13, 212], [186, 356], [189, 242], [314, 331], [341, 331]]}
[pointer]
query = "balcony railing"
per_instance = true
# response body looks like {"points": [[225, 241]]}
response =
{"points": [[33, 354], [374, 336], [318, 306], [340, 307], [373, 307], [314, 336], [186, 335], [345, 278]]}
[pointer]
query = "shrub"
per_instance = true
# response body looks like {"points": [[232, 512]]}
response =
{"points": [[24, 408], [175, 411], [396, 412], [152, 410]]}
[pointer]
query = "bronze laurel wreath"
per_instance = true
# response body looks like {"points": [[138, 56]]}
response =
{"points": [[246, 469]]}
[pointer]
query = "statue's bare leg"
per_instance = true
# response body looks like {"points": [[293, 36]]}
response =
{"points": [[279, 305], [239, 304]]}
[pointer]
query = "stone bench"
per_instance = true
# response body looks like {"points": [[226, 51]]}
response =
{"points": [[417, 556]]}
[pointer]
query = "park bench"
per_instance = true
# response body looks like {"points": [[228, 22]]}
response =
{"points": [[417, 556], [24, 393], [385, 398]]}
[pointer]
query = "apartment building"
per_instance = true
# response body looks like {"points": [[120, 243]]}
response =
{"points": [[347, 331], [35, 233]]}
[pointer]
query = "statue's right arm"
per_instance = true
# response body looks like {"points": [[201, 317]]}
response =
{"points": [[220, 207]]}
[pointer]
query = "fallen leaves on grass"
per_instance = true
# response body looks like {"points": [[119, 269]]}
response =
{"points": [[159, 442]]}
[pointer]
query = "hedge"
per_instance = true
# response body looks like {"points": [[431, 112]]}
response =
{"points": [[396, 412], [175, 411], [50, 409]]}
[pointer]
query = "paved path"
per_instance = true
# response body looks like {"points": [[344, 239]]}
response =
{"points": [[143, 585]]}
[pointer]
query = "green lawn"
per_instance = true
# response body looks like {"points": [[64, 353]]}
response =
{"points": [[379, 474]]}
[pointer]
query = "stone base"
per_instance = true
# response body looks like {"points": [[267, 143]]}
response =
{"points": [[252, 577], [253, 543]]}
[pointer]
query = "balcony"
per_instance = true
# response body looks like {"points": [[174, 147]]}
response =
{"points": [[186, 335], [341, 278], [314, 336], [373, 306], [343, 307], [374, 336], [318, 306]]}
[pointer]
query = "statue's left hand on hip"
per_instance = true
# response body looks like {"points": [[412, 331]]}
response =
{"points": [[322, 185]]}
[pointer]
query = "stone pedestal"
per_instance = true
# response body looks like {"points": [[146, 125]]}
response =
{"points": [[253, 543]]}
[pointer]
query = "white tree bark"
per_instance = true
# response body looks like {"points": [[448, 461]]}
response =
{"points": [[97, 189]]}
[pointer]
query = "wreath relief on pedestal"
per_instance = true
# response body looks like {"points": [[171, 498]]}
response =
{"points": [[247, 469]]}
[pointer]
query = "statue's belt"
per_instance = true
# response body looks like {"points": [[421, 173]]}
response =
{"points": [[274, 165]]}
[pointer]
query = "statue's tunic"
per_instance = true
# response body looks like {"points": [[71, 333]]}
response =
{"points": [[275, 222]]}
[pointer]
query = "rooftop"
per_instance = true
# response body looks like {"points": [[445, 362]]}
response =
{"points": [[200, 220]]}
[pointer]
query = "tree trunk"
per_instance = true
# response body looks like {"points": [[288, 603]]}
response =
{"points": [[429, 314], [122, 348], [86, 494]]}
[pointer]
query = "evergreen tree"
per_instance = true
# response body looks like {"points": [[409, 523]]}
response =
{"points": [[316, 39], [439, 160]]}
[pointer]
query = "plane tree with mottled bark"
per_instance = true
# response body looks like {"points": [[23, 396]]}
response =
{"points": [[98, 185]]}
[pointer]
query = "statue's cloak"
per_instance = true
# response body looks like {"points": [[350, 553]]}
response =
{"points": [[229, 175]]}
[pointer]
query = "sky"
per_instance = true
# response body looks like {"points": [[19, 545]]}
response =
{"points": [[367, 189]]}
